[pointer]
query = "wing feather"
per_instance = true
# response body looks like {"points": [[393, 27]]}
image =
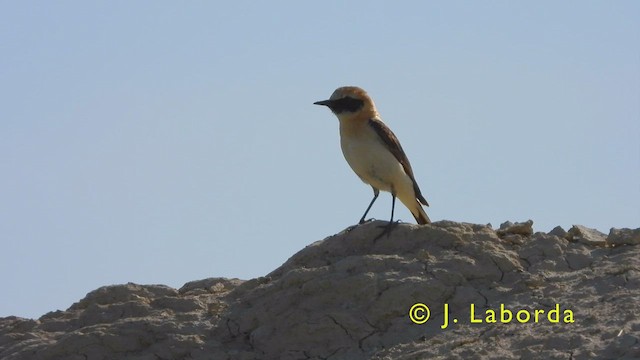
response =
{"points": [[390, 139]]}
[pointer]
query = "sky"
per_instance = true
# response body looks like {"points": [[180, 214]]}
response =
{"points": [[160, 142]]}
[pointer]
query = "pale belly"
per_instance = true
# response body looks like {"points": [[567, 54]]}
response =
{"points": [[375, 165]]}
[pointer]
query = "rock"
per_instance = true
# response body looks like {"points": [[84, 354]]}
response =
{"points": [[348, 297], [586, 236], [210, 286], [558, 231], [623, 237], [508, 228]]}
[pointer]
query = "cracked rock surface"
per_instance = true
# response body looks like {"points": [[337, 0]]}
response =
{"points": [[348, 297]]}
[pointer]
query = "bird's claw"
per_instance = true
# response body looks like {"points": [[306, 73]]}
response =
{"points": [[387, 229]]}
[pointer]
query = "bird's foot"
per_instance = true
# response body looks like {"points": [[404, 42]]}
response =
{"points": [[363, 221], [387, 229]]}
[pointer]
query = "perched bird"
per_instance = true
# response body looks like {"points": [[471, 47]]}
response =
{"points": [[374, 152]]}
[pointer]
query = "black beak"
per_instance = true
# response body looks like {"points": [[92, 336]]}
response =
{"points": [[323, 102]]}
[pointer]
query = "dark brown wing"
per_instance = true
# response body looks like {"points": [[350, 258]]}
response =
{"points": [[389, 138]]}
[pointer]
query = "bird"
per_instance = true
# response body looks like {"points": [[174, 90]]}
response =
{"points": [[374, 153]]}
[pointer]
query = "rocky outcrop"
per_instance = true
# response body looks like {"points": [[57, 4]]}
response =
{"points": [[509, 294]]}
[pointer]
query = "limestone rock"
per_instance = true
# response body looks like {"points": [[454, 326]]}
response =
{"points": [[348, 297], [586, 235], [623, 237], [558, 231], [509, 228]]}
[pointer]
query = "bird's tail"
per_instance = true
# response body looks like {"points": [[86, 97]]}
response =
{"points": [[416, 209], [420, 215]]}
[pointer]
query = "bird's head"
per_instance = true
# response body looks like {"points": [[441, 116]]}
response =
{"points": [[348, 101]]}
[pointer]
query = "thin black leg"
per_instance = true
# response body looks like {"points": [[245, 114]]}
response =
{"points": [[393, 206], [376, 192], [391, 225]]}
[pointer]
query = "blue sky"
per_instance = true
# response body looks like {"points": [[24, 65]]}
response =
{"points": [[164, 142]]}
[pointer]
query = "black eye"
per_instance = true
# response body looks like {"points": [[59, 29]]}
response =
{"points": [[346, 104]]}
